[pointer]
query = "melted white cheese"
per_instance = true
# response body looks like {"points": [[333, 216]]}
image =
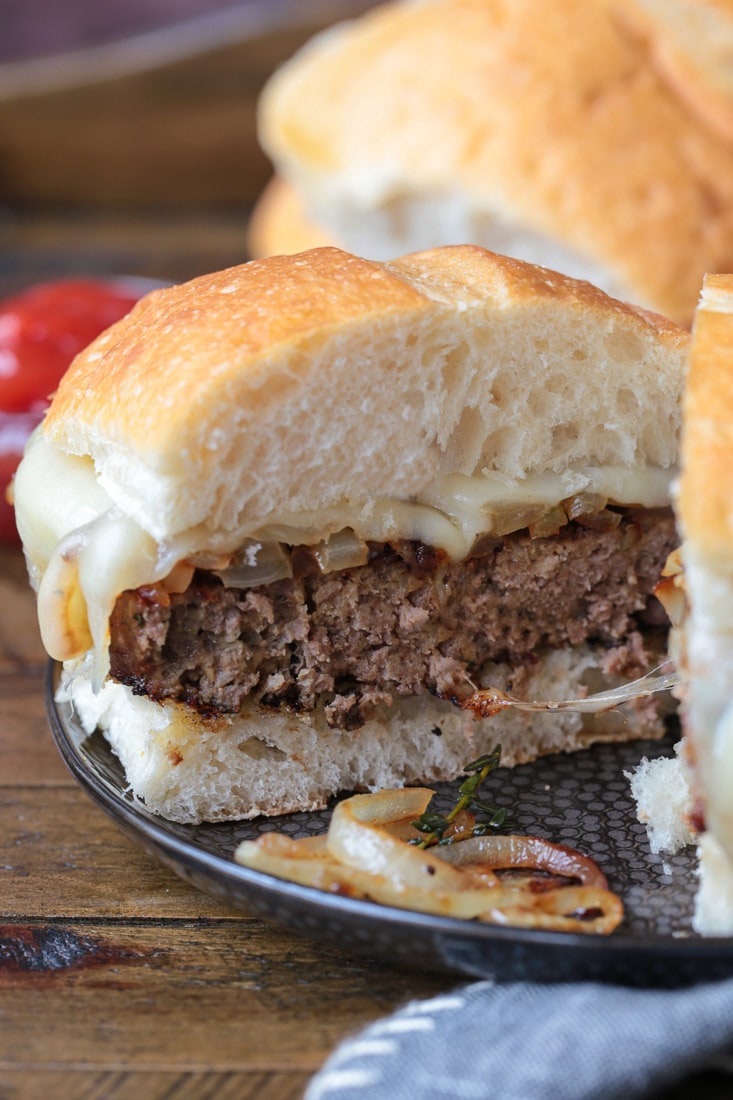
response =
{"points": [[82, 551]]}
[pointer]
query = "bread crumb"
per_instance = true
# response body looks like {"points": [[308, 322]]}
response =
{"points": [[662, 795]]}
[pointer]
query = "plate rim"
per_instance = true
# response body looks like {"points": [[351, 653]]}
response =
{"points": [[147, 826]]}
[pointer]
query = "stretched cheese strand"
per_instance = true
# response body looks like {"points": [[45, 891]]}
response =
{"points": [[490, 701]]}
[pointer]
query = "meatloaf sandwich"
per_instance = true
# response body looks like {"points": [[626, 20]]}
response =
{"points": [[578, 134], [286, 519], [700, 596]]}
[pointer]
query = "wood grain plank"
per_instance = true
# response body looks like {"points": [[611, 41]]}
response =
{"points": [[28, 755], [185, 997], [174, 130], [123, 1084], [21, 650], [183, 132], [62, 857], [163, 244]]}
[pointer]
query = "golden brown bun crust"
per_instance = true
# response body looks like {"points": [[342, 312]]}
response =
{"points": [[182, 342], [705, 502], [551, 116]]}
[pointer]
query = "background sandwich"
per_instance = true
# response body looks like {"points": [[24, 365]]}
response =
{"points": [[283, 521], [577, 134]]}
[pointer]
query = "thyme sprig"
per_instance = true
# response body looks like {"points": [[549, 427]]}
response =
{"points": [[436, 825]]}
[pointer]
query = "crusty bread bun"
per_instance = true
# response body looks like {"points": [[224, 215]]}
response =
{"points": [[239, 399], [321, 400], [545, 131], [687, 799]]}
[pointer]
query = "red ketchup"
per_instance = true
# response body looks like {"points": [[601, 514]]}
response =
{"points": [[41, 330]]}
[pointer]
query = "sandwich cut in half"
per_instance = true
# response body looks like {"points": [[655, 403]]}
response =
{"points": [[700, 597], [561, 133], [286, 519]]}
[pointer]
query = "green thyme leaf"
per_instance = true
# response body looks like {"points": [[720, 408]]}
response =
{"points": [[431, 823], [486, 763], [436, 825]]}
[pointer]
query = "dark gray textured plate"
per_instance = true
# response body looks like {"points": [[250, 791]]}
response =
{"points": [[582, 800]]}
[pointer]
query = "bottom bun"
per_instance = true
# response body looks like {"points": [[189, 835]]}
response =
{"points": [[189, 769]]}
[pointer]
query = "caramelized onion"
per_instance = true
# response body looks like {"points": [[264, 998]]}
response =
{"points": [[549, 523], [508, 520], [504, 852], [342, 551], [589, 510], [584, 504], [671, 594], [570, 909], [671, 591], [357, 838], [178, 579], [674, 566], [256, 563], [365, 855]]}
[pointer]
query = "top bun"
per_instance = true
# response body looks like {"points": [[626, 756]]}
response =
{"points": [[547, 131], [322, 381]]}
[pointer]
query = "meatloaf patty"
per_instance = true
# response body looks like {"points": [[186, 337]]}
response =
{"points": [[407, 622]]}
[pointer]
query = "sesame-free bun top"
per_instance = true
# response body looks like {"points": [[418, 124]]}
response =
{"points": [[322, 381], [548, 131]]}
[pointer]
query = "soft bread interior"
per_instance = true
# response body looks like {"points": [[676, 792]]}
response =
{"points": [[661, 791], [549, 129]]}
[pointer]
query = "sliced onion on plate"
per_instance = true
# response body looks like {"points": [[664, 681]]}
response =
{"points": [[367, 853]]}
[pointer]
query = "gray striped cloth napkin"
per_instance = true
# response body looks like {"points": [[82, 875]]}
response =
{"points": [[530, 1042]]}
